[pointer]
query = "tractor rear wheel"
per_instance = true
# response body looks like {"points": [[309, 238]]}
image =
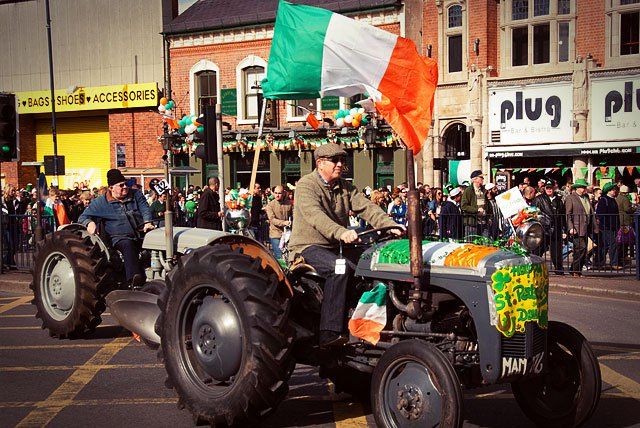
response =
{"points": [[567, 394], [70, 279], [226, 342]]}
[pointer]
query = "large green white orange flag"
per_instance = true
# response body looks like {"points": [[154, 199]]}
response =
{"points": [[316, 53]]}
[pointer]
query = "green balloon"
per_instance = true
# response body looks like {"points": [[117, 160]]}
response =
{"points": [[187, 120], [200, 129], [364, 120]]}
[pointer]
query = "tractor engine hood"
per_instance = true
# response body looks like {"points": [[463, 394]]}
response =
{"points": [[184, 238], [390, 260]]}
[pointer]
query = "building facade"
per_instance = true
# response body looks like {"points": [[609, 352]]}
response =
{"points": [[108, 74], [535, 88]]}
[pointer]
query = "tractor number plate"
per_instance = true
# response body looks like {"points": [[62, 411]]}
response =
{"points": [[522, 366]]}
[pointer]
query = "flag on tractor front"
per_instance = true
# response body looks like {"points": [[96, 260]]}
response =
{"points": [[370, 316], [315, 53]]}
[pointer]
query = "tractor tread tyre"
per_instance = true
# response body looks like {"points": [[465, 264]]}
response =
{"points": [[261, 382], [526, 392], [93, 280], [439, 369]]}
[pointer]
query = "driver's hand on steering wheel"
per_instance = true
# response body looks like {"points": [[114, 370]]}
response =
{"points": [[147, 227], [349, 236], [399, 231], [91, 227]]}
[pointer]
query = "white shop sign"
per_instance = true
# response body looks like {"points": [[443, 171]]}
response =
{"points": [[615, 108], [532, 114]]}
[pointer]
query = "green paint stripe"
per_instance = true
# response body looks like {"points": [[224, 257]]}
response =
{"points": [[295, 61], [453, 172], [377, 296]]}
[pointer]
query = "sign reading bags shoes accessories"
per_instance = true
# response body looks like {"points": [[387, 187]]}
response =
{"points": [[90, 98], [531, 114], [615, 108]]}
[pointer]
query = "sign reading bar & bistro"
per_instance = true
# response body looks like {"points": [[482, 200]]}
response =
{"points": [[615, 108], [90, 98]]}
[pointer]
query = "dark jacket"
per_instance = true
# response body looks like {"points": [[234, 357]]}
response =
{"points": [[552, 213], [469, 205], [208, 209], [450, 221], [607, 214], [122, 219]]}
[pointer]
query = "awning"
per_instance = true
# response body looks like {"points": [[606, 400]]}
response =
{"points": [[564, 149]]}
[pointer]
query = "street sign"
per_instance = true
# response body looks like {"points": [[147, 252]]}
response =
{"points": [[49, 168]]}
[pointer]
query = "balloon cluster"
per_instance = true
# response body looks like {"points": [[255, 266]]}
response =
{"points": [[354, 117], [238, 199], [189, 124], [166, 106]]}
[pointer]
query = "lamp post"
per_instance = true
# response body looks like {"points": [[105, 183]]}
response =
{"points": [[53, 97]]}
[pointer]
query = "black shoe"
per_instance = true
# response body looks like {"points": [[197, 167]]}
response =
{"points": [[559, 272], [329, 338], [138, 281]]}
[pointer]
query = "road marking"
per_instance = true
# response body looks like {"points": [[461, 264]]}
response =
{"points": [[63, 346], [623, 356], [63, 396], [629, 387], [96, 402], [75, 367], [35, 327], [18, 302], [346, 414], [17, 316], [2, 299]]}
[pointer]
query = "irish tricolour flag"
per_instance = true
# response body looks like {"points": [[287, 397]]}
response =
{"points": [[370, 315], [316, 53]]}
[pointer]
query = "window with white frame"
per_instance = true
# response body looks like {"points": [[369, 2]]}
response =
{"points": [[452, 28], [204, 85], [299, 109], [249, 74], [623, 31], [538, 32]]}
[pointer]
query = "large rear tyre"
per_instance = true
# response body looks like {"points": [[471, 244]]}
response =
{"points": [[569, 392], [226, 342], [414, 385], [70, 279]]}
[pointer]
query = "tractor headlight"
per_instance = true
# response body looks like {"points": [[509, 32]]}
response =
{"points": [[530, 235]]}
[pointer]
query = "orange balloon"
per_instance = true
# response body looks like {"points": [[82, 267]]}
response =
{"points": [[163, 101], [355, 123], [196, 123], [358, 117]]}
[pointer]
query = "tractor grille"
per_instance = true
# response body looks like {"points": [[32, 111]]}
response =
{"points": [[527, 344]]}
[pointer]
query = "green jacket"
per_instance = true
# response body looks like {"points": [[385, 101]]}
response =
{"points": [[625, 209], [469, 207], [321, 214]]}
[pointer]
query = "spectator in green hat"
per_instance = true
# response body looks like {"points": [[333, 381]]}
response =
{"points": [[608, 218], [580, 223]]}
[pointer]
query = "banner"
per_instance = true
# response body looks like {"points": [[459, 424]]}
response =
{"points": [[90, 98]]}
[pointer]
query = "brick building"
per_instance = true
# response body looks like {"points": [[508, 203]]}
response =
{"points": [[108, 72], [525, 87]]}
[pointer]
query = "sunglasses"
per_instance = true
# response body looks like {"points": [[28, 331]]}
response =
{"points": [[335, 159], [120, 185]]}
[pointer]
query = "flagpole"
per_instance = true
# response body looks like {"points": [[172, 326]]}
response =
{"points": [[414, 229], [256, 155]]}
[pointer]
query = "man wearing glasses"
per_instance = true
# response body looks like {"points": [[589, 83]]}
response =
{"points": [[124, 212], [321, 212]]}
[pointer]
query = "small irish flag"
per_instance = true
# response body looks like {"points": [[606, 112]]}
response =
{"points": [[370, 315], [316, 53]]}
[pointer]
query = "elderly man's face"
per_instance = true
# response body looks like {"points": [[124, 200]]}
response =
{"points": [[119, 190], [330, 168], [278, 193]]}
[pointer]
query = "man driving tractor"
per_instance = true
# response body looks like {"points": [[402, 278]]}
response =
{"points": [[123, 212], [321, 212]]}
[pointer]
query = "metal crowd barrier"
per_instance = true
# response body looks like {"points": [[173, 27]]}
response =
{"points": [[19, 239]]}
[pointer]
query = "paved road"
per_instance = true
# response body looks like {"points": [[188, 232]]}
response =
{"points": [[110, 380]]}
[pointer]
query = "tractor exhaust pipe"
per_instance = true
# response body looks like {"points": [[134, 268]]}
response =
{"points": [[136, 311]]}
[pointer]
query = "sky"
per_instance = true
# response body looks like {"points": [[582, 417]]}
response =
{"points": [[184, 5]]}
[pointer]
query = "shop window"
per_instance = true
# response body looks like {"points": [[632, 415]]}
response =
{"points": [[249, 74], [241, 167], [383, 168], [290, 172], [455, 53], [298, 110], [622, 32], [347, 172], [452, 29], [538, 32]]}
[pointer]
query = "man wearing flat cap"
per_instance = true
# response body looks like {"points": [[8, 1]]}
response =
{"points": [[473, 205], [321, 213], [553, 219], [580, 223], [124, 212]]}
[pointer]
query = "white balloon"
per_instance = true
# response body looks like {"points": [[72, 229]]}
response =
{"points": [[348, 119], [168, 112], [340, 122], [353, 112], [361, 110], [161, 108]]}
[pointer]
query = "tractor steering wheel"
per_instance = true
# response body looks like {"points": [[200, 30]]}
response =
{"points": [[371, 236]]}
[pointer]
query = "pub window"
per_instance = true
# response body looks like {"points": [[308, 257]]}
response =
{"points": [[454, 33], [538, 32], [299, 109], [251, 78], [207, 90], [629, 26], [622, 28]]}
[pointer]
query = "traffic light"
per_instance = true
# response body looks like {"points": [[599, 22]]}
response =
{"points": [[210, 135], [9, 149]]}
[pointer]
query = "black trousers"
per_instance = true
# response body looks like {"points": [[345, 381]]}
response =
{"points": [[553, 243], [130, 250], [332, 315], [579, 253]]}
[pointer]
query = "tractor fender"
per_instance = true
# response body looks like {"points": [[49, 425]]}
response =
{"points": [[81, 230], [253, 248]]}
